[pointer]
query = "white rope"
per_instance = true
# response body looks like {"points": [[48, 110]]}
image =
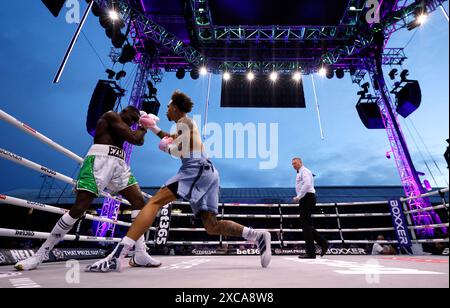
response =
{"points": [[27, 129], [31, 131], [43, 236], [433, 193], [288, 216], [436, 226], [427, 209], [188, 243], [55, 210], [44, 170]]}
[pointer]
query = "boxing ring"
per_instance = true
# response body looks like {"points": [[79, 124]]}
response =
{"points": [[236, 262]]}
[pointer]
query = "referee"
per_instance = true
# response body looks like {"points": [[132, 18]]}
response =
{"points": [[306, 196]]}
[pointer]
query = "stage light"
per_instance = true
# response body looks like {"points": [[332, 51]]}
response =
{"points": [[128, 54], [297, 76], [226, 76], [250, 76], [203, 71], [323, 72], [181, 73], [110, 73], [330, 74], [152, 91], [120, 75], [393, 73], [340, 73], [195, 74], [422, 19], [113, 15], [274, 76], [404, 75]]}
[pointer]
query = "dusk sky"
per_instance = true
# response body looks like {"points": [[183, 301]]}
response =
{"points": [[32, 44]]}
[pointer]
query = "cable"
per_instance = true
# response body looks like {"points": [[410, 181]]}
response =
{"points": [[412, 37], [421, 154], [429, 153], [93, 48]]}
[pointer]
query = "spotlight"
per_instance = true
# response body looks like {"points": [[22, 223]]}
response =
{"points": [[113, 15], [195, 74], [226, 76], [366, 87], [340, 73], [422, 19], [96, 10], [118, 39], [128, 54], [203, 71], [181, 73], [120, 75], [110, 73], [274, 76], [323, 72], [152, 91], [404, 75], [389, 154], [250, 76], [330, 74], [393, 73], [297, 76]]}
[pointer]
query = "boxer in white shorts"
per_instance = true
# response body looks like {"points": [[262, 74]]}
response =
{"points": [[103, 167]]}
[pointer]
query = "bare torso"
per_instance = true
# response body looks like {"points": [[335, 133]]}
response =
{"points": [[112, 130]]}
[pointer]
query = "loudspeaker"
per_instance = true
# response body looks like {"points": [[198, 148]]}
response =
{"points": [[54, 6], [370, 115], [409, 98], [103, 100], [239, 92], [151, 106]]}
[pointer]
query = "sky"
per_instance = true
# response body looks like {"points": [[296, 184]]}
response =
{"points": [[32, 44]]}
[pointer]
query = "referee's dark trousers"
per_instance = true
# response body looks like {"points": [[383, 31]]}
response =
{"points": [[307, 205]]}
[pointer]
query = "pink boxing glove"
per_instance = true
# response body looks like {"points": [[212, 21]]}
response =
{"points": [[150, 121], [165, 144]]}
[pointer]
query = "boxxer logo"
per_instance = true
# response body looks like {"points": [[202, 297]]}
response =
{"points": [[399, 223]]}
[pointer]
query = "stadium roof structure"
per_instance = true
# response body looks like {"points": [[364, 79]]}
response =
{"points": [[282, 35]]}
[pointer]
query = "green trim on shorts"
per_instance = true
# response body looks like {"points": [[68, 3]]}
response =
{"points": [[86, 179], [132, 181]]}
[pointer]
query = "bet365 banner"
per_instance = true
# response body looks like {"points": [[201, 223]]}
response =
{"points": [[162, 232]]}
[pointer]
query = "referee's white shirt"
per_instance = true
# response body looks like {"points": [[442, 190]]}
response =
{"points": [[304, 183]]}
